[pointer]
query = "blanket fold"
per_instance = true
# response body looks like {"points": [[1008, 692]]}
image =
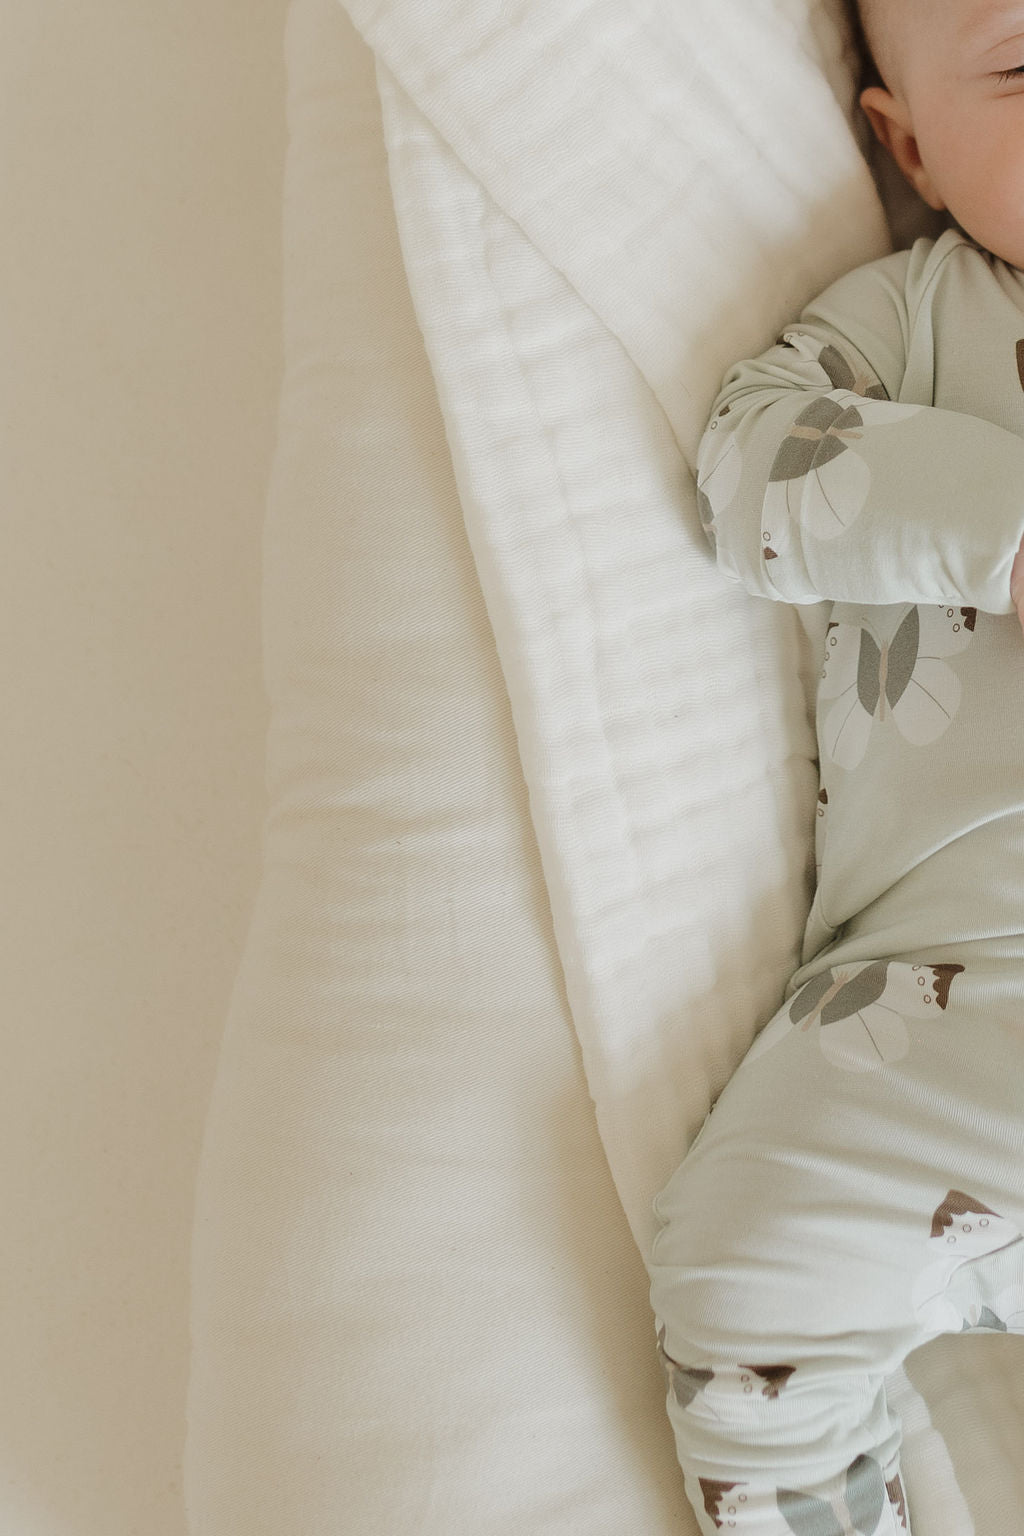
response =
{"points": [[578, 257]]}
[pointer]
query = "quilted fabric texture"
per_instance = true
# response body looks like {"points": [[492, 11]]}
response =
{"points": [[578, 287]]}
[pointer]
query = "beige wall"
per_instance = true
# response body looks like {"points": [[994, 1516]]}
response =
{"points": [[141, 154]]}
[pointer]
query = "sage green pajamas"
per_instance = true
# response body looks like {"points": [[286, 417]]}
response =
{"points": [[859, 1186]]}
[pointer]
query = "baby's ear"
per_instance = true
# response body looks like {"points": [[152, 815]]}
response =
{"points": [[890, 119]]}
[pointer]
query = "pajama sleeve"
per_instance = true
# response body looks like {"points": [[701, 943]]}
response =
{"points": [[815, 482]]}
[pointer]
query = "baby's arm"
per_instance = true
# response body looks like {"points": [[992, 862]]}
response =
{"points": [[815, 484]]}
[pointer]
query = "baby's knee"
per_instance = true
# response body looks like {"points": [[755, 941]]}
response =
{"points": [[767, 1337], [714, 1337], [744, 1260]]}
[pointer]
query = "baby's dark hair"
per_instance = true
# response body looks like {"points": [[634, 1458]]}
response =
{"points": [[860, 13]]}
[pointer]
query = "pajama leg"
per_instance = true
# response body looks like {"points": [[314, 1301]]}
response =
{"points": [[782, 1285], [775, 1385], [731, 1447], [857, 1191]]}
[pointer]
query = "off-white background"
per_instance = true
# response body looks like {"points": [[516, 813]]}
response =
{"points": [[141, 157]]}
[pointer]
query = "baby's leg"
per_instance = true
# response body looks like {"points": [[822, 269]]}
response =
{"points": [[775, 1370], [783, 1287]]}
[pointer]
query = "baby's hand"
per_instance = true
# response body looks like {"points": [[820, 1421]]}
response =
{"points": [[1017, 583]]}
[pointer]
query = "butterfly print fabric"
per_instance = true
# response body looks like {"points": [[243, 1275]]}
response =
{"points": [[855, 1190], [878, 674]]}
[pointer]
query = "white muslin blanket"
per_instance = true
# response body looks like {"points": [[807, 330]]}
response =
{"points": [[597, 215]]}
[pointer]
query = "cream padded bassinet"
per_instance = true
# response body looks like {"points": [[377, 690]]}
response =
{"points": [[541, 782]]}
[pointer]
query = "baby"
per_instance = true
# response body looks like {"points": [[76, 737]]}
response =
{"points": [[858, 1188]]}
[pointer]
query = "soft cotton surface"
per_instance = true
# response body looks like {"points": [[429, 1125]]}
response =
{"points": [[539, 852]]}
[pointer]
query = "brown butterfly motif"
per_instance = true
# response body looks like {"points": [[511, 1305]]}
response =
{"points": [[817, 479], [891, 666], [860, 1011]]}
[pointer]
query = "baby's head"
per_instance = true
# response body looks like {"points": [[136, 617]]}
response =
{"points": [[951, 108]]}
